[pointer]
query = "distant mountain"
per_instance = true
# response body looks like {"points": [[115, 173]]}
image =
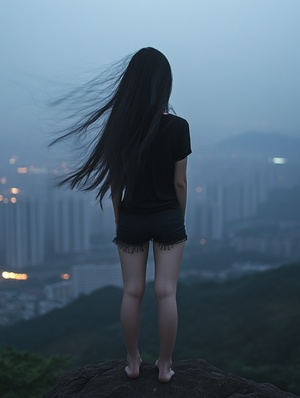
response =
{"points": [[255, 144], [249, 326]]}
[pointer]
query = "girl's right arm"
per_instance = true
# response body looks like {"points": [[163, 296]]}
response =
{"points": [[180, 183]]}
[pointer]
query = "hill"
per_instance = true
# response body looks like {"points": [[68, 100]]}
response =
{"points": [[249, 326]]}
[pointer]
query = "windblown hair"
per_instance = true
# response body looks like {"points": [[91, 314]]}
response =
{"points": [[124, 125]]}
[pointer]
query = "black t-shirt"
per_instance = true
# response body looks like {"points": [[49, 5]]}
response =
{"points": [[155, 189]]}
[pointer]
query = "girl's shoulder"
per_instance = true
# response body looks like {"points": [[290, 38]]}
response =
{"points": [[174, 121]]}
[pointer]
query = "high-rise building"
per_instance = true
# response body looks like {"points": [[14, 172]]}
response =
{"points": [[69, 226], [2, 228], [215, 201], [205, 216], [24, 233]]}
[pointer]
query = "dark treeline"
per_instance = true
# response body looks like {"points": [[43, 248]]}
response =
{"points": [[248, 326]]}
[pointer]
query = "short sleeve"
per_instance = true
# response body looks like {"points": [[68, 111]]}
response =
{"points": [[184, 142]]}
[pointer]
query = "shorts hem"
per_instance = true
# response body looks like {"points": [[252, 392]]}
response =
{"points": [[169, 245], [130, 247]]}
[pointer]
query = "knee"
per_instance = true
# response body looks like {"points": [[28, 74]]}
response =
{"points": [[135, 291], [164, 290]]}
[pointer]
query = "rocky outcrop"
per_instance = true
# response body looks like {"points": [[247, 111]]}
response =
{"points": [[193, 378]]}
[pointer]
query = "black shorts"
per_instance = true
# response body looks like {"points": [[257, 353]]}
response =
{"points": [[134, 231]]}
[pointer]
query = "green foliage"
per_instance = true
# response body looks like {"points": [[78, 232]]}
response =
{"points": [[249, 326], [25, 374]]}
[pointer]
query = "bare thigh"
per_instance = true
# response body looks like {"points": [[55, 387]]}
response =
{"points": [[167, 267], [134, 267]]}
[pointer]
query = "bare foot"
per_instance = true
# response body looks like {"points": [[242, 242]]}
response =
{"points": [[165, 373], [133, 368]]}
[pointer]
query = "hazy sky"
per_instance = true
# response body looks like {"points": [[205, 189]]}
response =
{"points": [[236, 63]]}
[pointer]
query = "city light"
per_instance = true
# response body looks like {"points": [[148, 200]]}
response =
{"points": [[65, 276], [203, 241], [1, 198], [12, 275], [199, 189], [5, 200], [3, 180], [15, 191], [13, 160], [13, 200], [278, 160], [22, 170]]}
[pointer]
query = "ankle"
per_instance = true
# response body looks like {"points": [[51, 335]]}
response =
{"points": [[165, 361], [135, 356]]}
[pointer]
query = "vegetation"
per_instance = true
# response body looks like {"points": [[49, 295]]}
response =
{"points": [[248, 326], [25, 374]]}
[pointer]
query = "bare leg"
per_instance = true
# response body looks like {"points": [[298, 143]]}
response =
{"points": [[134, 275], [167, 266]]}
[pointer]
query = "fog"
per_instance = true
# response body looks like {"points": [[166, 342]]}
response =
{"points": [[235, 63]]}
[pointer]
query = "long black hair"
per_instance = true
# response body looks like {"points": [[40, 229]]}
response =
{"points": [[126, 124]]}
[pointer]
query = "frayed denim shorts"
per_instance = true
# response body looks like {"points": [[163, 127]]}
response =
{"points": [[134, 231]]}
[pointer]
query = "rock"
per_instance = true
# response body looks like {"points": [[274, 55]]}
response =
{"points": [[193, 378]]}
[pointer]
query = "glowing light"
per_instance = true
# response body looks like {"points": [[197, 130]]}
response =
{"points": [[22, 170], [15, 276], [65, 276], [199, 189], [13, 160], [203, 241], [15, 191], [3, 180], [1, 198], [5, 200], [278, 160], [13, 200]]}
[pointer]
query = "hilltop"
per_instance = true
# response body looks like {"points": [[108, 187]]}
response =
{"points": [[192, 379]]}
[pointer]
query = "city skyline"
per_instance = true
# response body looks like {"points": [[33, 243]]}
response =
{"points": [[222, 191]]}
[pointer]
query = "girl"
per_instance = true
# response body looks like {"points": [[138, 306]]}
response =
{"points": [[140, 155]]}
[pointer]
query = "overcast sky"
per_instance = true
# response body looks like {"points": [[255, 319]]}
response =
{"points": [[235, 63]]}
